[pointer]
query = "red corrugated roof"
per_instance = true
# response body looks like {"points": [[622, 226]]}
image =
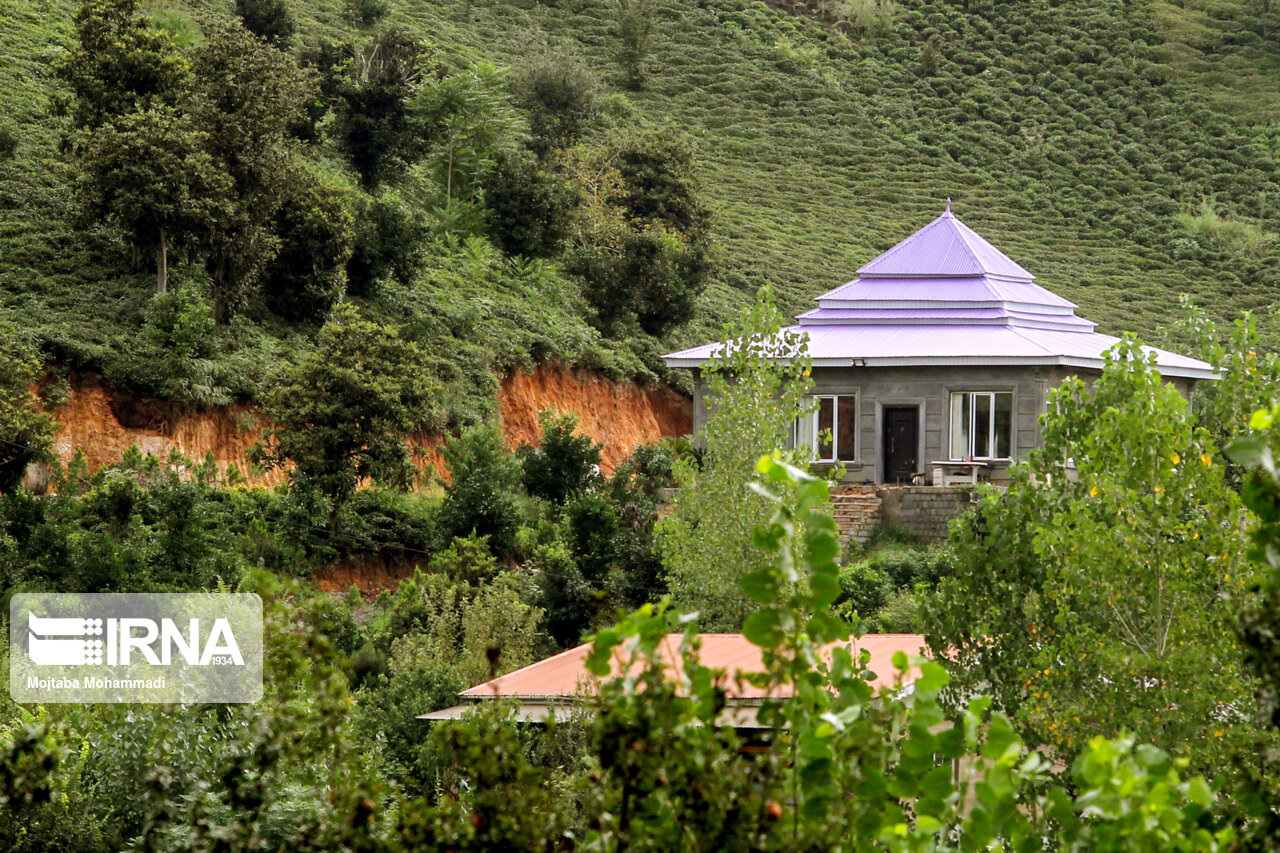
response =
{"points": [[565, 675]]}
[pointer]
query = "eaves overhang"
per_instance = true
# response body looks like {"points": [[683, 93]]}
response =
{"points": [[968, 361]]}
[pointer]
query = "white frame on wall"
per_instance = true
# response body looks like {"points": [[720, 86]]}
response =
{"points": [[812, 427], [992, 443]]}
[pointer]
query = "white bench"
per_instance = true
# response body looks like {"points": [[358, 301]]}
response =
{"points": [[951, 472]]}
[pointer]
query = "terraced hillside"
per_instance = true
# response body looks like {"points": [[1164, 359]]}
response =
{"points": [[1099, 144], [1058, 130]]}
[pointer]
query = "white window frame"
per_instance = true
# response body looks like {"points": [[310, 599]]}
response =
{"points": [[992, 443], [835, 428]]}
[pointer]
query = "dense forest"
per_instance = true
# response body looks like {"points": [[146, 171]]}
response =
{"points": [[357, 216]]}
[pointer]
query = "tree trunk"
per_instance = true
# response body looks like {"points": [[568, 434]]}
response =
{"points": [[220, 289], [162, 263]]}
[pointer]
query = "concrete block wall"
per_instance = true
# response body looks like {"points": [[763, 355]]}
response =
{"points": [[923, 511]]}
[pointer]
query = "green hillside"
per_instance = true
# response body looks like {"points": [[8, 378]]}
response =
{"points": [[1123, 152]]}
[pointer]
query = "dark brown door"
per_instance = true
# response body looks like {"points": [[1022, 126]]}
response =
{"points": [[900, 442]]}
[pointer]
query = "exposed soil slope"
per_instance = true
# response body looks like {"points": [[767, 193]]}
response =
{"points": [[621, 416]]}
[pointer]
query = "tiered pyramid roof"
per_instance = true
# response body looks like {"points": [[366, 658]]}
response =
{"points": [[946, 296]]}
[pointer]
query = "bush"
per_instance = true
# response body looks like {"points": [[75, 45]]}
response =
{"points": [[564, 464], [528, 210], [478, 497], [561, 98], [900, 615], [466, 560], [308, 276], [904, 566], [27, 432], [367, 12], [175, 360], [390, 523], [593, 524], [864, 588], [387, 243], [268, 19], [564, 595], [8, 141], [1232, 235]]}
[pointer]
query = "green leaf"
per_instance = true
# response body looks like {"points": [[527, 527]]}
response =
{"points": [[760, 586], [1199, 792], [932, 677], [762, 629], [1252, 451], [598, 659], [825, 588]]}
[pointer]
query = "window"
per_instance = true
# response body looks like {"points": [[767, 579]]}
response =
{"points": [[834, 428], [981, 424]]}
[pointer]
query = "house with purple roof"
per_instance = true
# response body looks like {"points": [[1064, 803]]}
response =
{"points": [[935, 363]]}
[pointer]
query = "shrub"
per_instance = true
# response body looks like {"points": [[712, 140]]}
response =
{"points": [[466, 560], [308, 276], [561, 98], [593, 524], [528, 209], [634, 23], [387, 243], [27, 432], [478, 497], [564, 464], [175, 360], [1233, 235], [864, 588], [270, 20], [564, 595], [903, 565], [8, 141], [389, 523], [900, 615], [367, 12]]}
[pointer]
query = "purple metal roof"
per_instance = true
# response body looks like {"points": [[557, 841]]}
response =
{"points": [[945, 247], [920, 344], [923, 289], [971, 316], [946, 296]]}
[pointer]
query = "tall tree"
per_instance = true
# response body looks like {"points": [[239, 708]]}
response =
{"points": [[642, 246], [316, 229], [1098, 594], [374, 85], [120, 63], [150, 173], [249, 95], [343, 412], [756, 389], [1258, 453], [467, 115]]}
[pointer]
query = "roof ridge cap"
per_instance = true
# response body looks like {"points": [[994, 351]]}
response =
{"points": [[973, 255]]}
